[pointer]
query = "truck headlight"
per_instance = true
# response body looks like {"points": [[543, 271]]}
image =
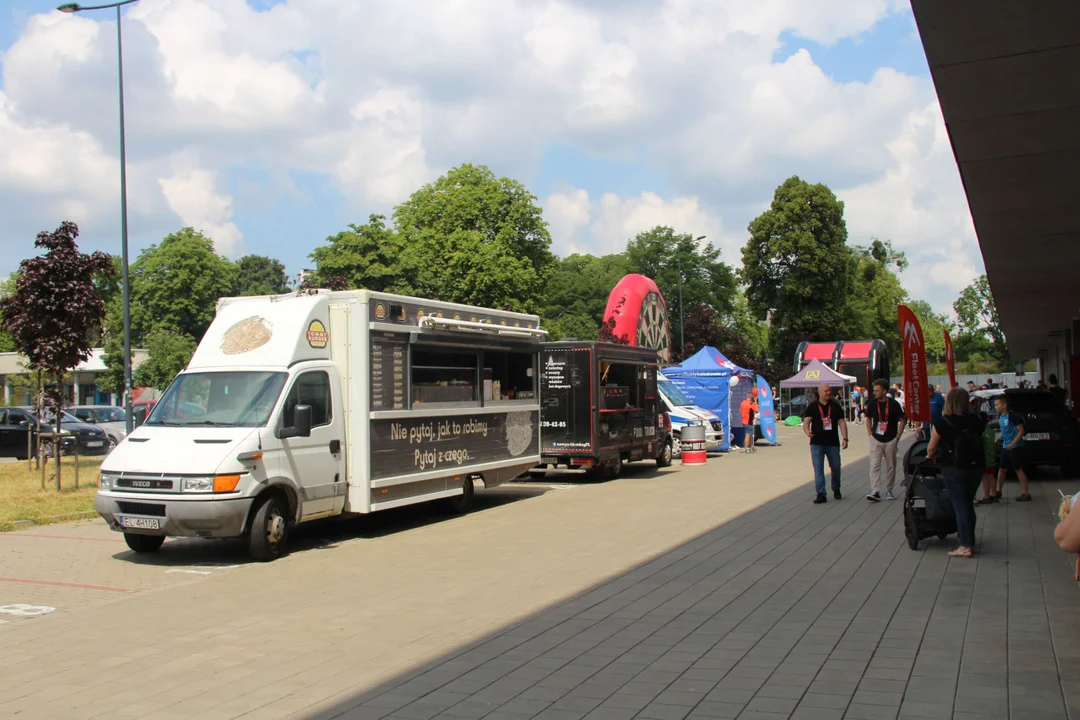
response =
{"points": [[198, 484], [106, 480]]}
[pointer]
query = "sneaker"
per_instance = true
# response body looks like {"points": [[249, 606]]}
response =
{"points": [[890, 496], [874, 497], [820, 499], [836, 494]]}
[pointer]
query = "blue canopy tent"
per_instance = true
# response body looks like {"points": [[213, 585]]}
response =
{"points": [[705, 378]]}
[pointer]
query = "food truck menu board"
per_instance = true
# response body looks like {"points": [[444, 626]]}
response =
{"points": [[566, 405], [388, 382]]}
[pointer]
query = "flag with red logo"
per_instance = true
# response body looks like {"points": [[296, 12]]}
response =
{"points": [[950, 360], [916, 383]]}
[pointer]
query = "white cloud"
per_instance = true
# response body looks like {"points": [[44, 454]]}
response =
{"points": [[191, 194], [379, 98], [578, 224]]}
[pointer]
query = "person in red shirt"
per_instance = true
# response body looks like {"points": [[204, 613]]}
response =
{"points": [[749, 411]]}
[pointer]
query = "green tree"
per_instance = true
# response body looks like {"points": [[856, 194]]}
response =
{"points": [[662, 254], [933, 327], [796, 265], [7, 289], [260, 275], [169, 353], [979, 323], [577, 294], [478, 239], [875, 292], [369, 256], [175, 286]]}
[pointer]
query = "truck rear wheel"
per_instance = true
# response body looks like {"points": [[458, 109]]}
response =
{"points": [[611, 469], [144, 544], [461, 504], [269, 529]]}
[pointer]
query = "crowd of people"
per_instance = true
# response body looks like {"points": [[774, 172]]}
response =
{"points": [[962, 442]]}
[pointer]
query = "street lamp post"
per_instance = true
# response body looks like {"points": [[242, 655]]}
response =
{"points": [[74, 8], [682, 327]]}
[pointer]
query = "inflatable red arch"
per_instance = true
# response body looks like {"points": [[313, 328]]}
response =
{"points": [[637, 314]]}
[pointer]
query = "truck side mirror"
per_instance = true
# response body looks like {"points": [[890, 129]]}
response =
{"points": [[301, 424]]}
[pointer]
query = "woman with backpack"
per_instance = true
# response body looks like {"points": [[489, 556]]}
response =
{"points": [[956, 445]]}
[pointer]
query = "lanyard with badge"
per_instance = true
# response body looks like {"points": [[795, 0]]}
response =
{"points": [[826, 418], [882, 426]]}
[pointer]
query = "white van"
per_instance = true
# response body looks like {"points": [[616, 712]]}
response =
{"points": [[303, 406], [683, 412]]}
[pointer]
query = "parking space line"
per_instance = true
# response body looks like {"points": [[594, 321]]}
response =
{"points": [[54, 583]]}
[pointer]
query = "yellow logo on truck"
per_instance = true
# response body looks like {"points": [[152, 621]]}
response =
{"points": [[813, 374], [317, 335]]}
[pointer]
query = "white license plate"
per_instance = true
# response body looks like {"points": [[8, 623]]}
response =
{"points": [[1037, 436], [95, 443], [143, 523]]}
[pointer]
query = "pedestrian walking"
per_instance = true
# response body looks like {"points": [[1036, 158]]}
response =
{"points": [[885, 421], [1012, 430], [749, 411], [956, 445], [824, 423], [1056, 390]]}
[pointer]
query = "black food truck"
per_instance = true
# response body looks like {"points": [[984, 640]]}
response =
{"points": [[599, 407]]}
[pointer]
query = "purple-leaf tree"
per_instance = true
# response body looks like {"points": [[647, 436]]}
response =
{"points": [[54, 310]]}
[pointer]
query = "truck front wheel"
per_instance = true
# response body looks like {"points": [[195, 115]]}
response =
{"points": [[144, 543], [269, 529], [664, 458]]}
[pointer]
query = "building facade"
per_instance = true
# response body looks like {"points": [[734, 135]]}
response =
{"points": [[81, 387]]}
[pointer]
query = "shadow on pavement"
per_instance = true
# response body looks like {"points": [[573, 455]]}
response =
{"points": [[325, 534]]}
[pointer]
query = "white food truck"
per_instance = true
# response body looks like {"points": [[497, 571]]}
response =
{"points": [[308, 405]]}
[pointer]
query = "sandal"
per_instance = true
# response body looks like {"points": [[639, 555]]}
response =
{"points": [[961, 552], [985, 501], [1026, 497]]}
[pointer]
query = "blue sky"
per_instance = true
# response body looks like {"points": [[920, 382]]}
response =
{"points": [[591, 109]]}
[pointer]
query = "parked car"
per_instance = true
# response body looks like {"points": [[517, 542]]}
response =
{"points": [[111, 419], [18, 431], [91, 439], [1052, 433]]}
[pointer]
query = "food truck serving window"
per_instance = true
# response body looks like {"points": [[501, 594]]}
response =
{"points": [[444, 376], [509, 376], [620, 386]]}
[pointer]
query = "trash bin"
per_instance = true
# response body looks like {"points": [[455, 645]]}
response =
{"points": [[692, 440]]}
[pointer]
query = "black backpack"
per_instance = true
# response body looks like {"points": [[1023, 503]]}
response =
{"points": [[967, 448]]}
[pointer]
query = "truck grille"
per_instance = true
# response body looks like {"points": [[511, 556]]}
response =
{"points": [[137, 508]]}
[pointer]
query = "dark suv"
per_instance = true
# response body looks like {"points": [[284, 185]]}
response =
{"points": [[1052, 433]]}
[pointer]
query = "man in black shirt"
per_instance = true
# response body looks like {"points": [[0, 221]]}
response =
{"points": [[885, 426], [1056, 390], [824, 423]]}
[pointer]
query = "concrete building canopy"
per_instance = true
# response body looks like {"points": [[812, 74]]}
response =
{"points": [[82, 386], [1007, 75]]}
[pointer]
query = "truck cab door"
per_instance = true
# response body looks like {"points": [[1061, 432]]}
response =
{"points": [[316, 462]]}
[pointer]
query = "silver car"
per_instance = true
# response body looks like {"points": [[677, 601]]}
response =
{"points": [[108, 418]]}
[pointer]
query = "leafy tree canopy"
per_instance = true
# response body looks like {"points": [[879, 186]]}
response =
{"points": [[477, 239], [875, 292], [177, 284], [979, 324], [934, 326], [577, 294], [260, 275], [796, 265], [369, 256], [170, 353]]}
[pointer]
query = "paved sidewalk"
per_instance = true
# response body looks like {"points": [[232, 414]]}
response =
{"points": [[789, 611], [714, 591]]}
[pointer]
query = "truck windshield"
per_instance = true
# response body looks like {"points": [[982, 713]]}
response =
{"points": [[220, 399], [672, 392]]}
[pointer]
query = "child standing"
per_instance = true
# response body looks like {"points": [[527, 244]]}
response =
{"points": [[989, 438]]}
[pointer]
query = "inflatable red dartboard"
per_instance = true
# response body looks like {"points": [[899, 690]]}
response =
{"points": [[640, 314]]}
